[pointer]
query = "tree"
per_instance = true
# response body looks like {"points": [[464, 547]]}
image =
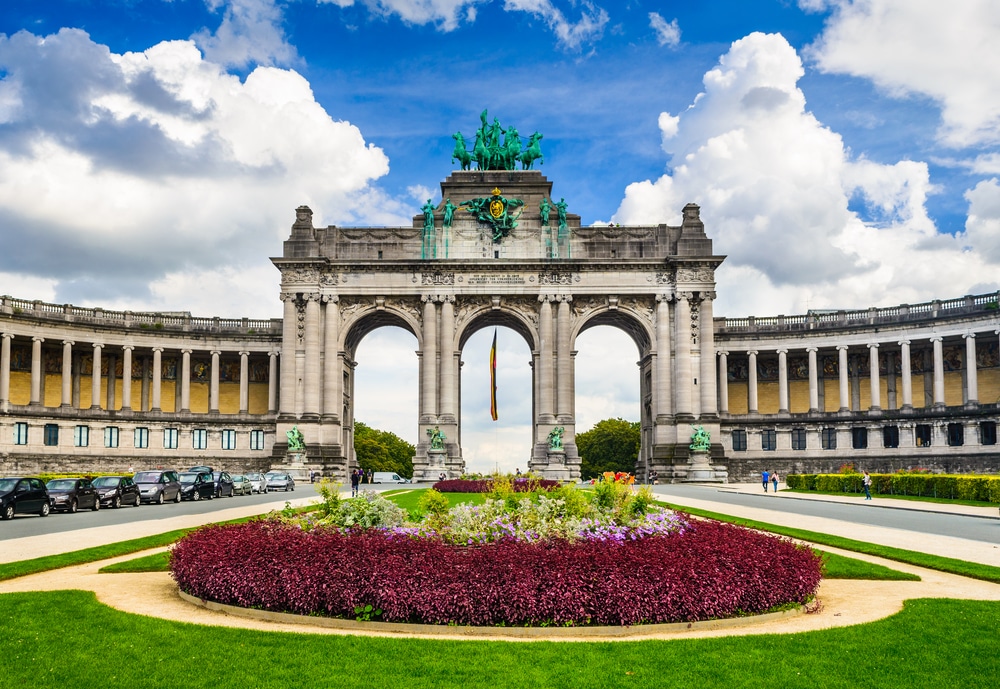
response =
{"points": [[382, 451], [611, 445]]}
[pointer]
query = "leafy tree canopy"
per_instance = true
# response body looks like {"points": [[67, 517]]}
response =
{"points": [[382, 451], [611, 445]]}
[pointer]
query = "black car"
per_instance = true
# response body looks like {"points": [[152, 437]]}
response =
{"points": [[116, 491], [223, 484], [72, 494], [196, 485], [21, 495], [158, 486]]}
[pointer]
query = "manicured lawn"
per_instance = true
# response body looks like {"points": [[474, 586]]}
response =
{"points": [[889, 496], [66, 638], [408, 499]]}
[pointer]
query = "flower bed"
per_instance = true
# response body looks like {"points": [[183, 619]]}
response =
{"points": [[486, 485], [708, 570]]}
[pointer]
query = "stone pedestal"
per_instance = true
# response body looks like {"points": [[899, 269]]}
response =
{"points": [[295, 466], [437, 464], [700, 470], [555, 468]]}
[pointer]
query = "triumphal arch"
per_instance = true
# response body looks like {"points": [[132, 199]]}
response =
{"points": [[498, 249]]}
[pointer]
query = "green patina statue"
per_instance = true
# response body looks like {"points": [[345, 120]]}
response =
{"points": [[428, 209], [544, 210], [296, 442], [701, 441], [437, 438], [491, 153], [561, 211], [555, 438], [449, 213]]}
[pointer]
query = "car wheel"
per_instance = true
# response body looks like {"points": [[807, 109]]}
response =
{"points": [[72, 506], [177, 497], [159, 498], [97, 504], [195, 495], [138, 501], [44, 512], [117, 502], [8, 512]]}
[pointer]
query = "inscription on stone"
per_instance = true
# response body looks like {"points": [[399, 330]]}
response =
{"points": [[501, 279]]}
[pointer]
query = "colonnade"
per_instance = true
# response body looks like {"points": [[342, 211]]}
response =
{"points": [[971, 385], [151, 378]]}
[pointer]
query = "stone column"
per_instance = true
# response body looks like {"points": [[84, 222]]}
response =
{"points": [[971, 374], [5, 372], [545, 373], [564, 358], [244, 382], [752, 382], [845, 399], [157, 373], [288, 346], [36, 370], [428, 361], [312, 372], [127, 377], [272, 382], [682, 359], [333, 398], [873, 378], [95, 378], [938, 372], [449, 381], [185, 374], [213, 385], [782, 381], [723, 381], [112, 377], [67, 373], [813, 380], [663, 401], [906, 377], [706, 341]]}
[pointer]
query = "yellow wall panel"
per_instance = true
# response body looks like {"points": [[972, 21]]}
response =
{"points": [[798, 396], [199, 398], [831, 394], [52, 391], [767, 397], [229, 398], [258, 398], [737, 398], [989, 386], [20, 387]]}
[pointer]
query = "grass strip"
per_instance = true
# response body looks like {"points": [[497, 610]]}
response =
{"points": [[157, 562], [893, 496], [973, 570], [53, 639], [842, 567], [22, 568]]}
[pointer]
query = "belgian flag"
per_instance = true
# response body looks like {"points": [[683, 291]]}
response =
{"points": [[493, 377]]}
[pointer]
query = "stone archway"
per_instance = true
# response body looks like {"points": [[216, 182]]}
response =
{"points": [[548, 278]]}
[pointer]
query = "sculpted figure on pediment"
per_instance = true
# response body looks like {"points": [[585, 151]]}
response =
{"points": [[300, 275], [408, 306], [640, 305], [329, 279], [349, 308], [586, 305], [695, 274]]}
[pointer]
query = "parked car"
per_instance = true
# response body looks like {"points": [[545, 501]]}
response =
{"points": [[388, 477], [158, 486], [279, 480], [223, 484], [258, 484], [196, 485], [203, 470], [241, 485], [72, 494], [116, 491], [22, 495]]}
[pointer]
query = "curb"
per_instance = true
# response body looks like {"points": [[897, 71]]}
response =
{"points": [[580, 634]]}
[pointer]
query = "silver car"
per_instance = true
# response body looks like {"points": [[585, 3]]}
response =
{"points": [[279, 480], [258, 484]]}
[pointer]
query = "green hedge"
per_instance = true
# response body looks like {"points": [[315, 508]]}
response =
{"points": [[948, 486]]}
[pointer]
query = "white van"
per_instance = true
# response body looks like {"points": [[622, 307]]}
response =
{"points": [[388, 477]]}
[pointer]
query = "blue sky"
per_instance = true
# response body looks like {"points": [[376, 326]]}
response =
{"points": [[845, 154]]}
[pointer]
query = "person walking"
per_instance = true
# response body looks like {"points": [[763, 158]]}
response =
{"points": [[774, 480], [355, 480], [867, 483], [763, 476]]}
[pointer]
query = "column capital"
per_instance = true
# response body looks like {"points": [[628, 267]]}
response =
{"points": [[936, 338], [187, 351], [311, 296], [665, 298], [782, 351], [448, 299], [842, 348], [288, 296], [903, 343], [10, 336], [872, 345], [969, 336], [546, 298], [722, 352], [752, 352], [215, 352], [244, 352], [685, 296], [812, 349], [565, 298], [37, 338], [98, 345], [274, 353], [428, 298], [331, 299], [157, 349], [69, 342]]}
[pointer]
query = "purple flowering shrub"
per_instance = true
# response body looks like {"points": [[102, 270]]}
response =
{"points": [[707, 570], [486, 485]]}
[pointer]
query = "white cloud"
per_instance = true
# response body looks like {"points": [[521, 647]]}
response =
{"points": [[775, 184], [447, 15], [922, 47], [982, 229], [250, 33], [667, 33], [118, 171]]}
